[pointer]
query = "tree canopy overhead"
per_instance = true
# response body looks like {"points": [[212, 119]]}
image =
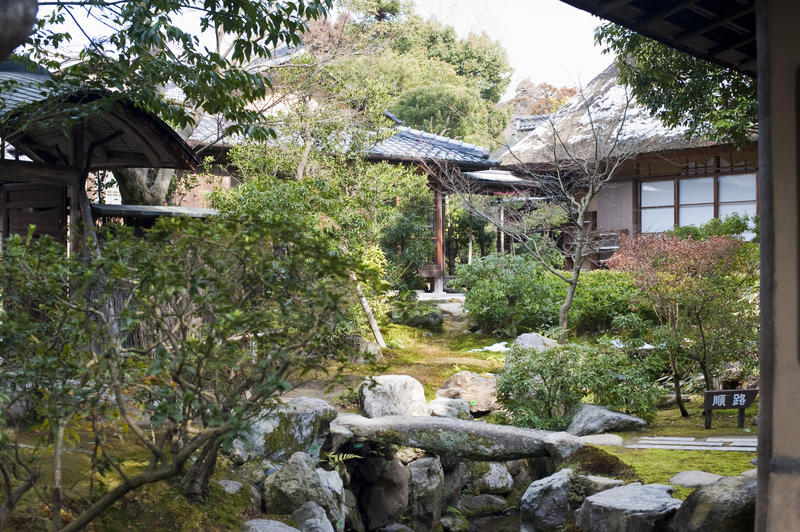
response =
{"points": [[682, 90], [419, 70], [205, 49]]}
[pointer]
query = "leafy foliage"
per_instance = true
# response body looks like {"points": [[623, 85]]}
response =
{"points": [[512, 294], [682, 90], [700, 291], [145, 46], [420, 71], [540, 389], [197, 327]]}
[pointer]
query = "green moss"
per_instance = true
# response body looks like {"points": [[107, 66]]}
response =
{"points": [[592, 460], [659, 465], [466, 342], [161, 506]]}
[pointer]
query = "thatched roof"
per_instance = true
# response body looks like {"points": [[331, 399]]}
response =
{"points": [[606, 98]]}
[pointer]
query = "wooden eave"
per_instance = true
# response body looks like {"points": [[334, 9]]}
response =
{"points": [[722, 32]]}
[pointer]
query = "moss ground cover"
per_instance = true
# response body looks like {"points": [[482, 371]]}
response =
{"points": [[659, 465]]}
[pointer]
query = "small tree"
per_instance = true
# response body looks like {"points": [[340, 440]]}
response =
{"points": [[212, 321], [554, 202], [698, 290]]}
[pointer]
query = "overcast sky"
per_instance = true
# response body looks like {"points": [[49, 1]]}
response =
{"points": [[546, 40]]}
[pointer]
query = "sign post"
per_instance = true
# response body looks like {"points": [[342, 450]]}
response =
{"points": [[728, 399]]}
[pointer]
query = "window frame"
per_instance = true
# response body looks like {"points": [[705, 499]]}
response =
{"points": [[676, 205]]}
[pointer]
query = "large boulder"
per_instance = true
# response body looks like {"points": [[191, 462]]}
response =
{"points": [[454, 481], [593, 419], [457, 437], [311, 517], [534, 341], [728, 505], [393, 395], [521, 473], [632, 508], [545, 504], [427, 493], [267, 525], [491, 477], [483, 504], [477, 390], [445, 407], [299, 482], [386, 499], [301, 425]]}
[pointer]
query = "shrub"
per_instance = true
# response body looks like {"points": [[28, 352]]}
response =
{"points": [[406, 309], [601, 296], [540, 388], [507, 295]]}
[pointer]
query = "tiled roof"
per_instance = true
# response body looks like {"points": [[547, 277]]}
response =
{"points": [[528, 122], [27, 87], [412, 144]]}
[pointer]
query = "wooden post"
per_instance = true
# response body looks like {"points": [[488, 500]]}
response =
{"points": [[502, 249], [438, 227], [708, 418], [741, 418]]}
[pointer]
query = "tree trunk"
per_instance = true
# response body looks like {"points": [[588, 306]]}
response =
{"points": [[144, 186], [195, 482], [16, 23], [471, 238], [577, 261], [362, 299], [676, 381], [58, 493]]}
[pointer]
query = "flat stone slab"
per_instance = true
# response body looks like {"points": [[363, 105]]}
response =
{"points": [[695, 443], [692, 448], [694, 479], [457, 437], [730, 443], [735, 439], [610, 440], [750, 473]]}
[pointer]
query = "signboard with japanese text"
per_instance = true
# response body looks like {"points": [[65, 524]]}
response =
{"points": [[728, 399]]}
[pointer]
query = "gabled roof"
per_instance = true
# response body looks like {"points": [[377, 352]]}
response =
{"points": [[124, 136], [606, 97], [413, 145], [528, 122]]}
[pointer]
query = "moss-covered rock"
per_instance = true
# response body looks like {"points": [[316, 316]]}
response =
{"points": [[301, 425]]}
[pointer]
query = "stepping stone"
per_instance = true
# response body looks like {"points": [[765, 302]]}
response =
{"points": [[611, 440], [694, 479], [734, 439], [669, 438], [696, 443], [750, 473], [692, 448]]}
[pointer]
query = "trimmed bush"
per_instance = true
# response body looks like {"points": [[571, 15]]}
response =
{"points": [[508, 295], [541, 388]]}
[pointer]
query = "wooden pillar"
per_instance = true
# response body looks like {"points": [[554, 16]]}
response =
{"points": [[779, 193], [438, 228]]}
